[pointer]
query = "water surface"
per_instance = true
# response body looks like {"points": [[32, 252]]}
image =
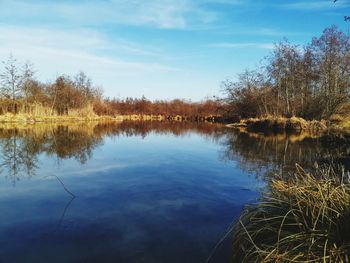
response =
{"points": [[133, 192]]}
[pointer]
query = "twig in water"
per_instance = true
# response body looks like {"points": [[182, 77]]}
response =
{"points": [[64, 213], [69, 202], [63, 185]]}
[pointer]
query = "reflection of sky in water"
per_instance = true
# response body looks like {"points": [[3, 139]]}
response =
{"points": [[158, 199]]}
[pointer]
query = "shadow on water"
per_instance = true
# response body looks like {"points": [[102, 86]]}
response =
{"points": [[255, 154]]}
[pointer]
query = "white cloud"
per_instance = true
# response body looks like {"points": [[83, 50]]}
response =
{"points": [[179, 14], [81, 45]]}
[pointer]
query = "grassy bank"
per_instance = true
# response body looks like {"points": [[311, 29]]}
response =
{"points": [[293, 124], [301, 218], [78, 116], [28, 118], [281, 124]]}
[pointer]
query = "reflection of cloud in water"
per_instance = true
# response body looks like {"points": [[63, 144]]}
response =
{"points": [[106, 167]]}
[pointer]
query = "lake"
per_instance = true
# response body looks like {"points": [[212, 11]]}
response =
{"points": [[136, 192]]}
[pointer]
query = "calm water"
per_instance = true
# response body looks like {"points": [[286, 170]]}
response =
{"points": [[134, 192]]}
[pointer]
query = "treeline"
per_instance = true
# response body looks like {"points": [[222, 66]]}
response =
{"points": [[312, 82], [144, 106], [21, 92]]}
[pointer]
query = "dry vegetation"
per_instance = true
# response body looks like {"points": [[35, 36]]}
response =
{"points": [[284, 124], [302, 218]]}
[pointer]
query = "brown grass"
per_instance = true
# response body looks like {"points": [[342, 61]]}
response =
{"points": [[271, 123], [304, 218]]}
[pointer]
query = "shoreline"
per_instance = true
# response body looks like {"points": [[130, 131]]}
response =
{"points": [[49, 119], [289, 125], [30, 119], [260, 125]]}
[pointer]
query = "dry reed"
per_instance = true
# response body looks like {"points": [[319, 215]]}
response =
{"points": [[305, 218]]}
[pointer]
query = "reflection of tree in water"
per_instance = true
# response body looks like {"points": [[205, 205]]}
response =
{"points": [[259, 153], [144, 128], [20, 146], [17, 156], [68, 143]]}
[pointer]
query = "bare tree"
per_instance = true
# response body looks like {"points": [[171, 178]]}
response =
{"points": [[14, 80], [311, 82], [27, 80]]}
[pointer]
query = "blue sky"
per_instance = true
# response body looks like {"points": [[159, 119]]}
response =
{"points": [[162, 49]]}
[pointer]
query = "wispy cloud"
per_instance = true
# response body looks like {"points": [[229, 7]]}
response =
{"points": [[242, 45], [167, 14], [55, 52]]}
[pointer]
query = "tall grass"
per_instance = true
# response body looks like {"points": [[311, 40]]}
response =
{"points": [[39, 113], [305, 218]]}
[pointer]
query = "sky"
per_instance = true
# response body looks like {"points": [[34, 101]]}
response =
{"points": [[162, 49]]}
